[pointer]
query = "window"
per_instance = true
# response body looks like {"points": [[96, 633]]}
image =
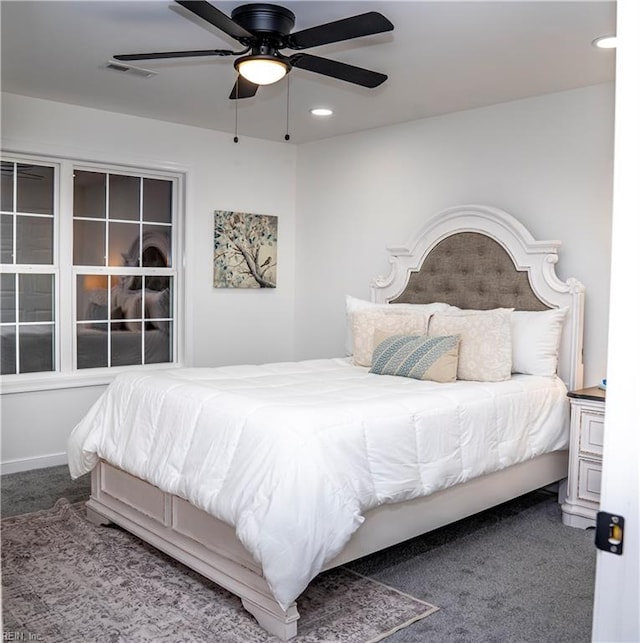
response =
{"points": [[122, 239], [28, 278], [110, 297]]}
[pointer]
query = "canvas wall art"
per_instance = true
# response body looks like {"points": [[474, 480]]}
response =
{"points": [[245, 250]]}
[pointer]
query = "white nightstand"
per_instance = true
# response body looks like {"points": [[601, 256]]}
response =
{"points": [[585, 457]]}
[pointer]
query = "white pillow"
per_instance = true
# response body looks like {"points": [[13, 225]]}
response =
{"points": [[353, 304], [484, 354], [367, 321], [535, 339]]}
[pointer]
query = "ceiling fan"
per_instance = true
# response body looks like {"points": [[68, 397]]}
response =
{"points": [[264, 30]]}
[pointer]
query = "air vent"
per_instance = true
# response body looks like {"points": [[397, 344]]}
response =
{"points": [[129, 69]]}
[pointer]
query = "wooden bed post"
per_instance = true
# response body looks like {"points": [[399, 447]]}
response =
{"points": [[282, 624]]}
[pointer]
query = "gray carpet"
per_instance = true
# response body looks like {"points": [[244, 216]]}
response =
{"points": [[513, 574], [521, 577], [29, 491]]}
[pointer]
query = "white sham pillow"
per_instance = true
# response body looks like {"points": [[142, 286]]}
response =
{"points": [[366, 322], [485, 353], [535, 337], [353, 304]]}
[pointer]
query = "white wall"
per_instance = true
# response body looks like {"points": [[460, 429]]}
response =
{"points": [[546, 160], [222, 326]]}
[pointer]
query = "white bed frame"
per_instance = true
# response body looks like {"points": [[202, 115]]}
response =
{"points": [[211, 547]]}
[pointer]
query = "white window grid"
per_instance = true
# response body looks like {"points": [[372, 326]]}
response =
{"points": [[17, 269], [65, 286], [120, 271]]}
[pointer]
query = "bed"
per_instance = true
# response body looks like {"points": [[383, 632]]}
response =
{"points": [[305, 477]]}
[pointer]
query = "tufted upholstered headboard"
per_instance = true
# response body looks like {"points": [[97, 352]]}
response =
{"points": [[470, 270], [481, 257]]}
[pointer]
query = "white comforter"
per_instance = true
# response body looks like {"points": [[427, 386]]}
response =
{"points": [[292, 454]]}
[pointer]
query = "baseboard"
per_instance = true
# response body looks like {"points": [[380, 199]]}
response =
{"points": [[39, 462]]}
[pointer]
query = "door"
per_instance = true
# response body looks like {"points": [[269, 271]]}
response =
{"points": [[616, 614]]}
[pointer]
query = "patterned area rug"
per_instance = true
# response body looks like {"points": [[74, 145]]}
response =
{"points": [[64, 579]]}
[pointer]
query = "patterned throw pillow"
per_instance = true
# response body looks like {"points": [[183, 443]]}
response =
{"points": [[485, 342], [419, 357], [392, 321], [354, 304]]}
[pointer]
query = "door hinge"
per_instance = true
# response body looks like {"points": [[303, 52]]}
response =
{"points": [[609, 532]]}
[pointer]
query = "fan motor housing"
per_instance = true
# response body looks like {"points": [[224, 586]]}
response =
{"points": [[264, 18]]}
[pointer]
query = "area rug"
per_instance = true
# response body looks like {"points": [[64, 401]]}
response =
{"points": [[65, 579]]}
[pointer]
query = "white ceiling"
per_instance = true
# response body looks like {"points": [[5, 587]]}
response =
{"points": [[443, 56]]}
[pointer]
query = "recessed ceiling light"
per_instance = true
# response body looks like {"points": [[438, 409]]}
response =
{"points": [[605, 42], [321, 111]]}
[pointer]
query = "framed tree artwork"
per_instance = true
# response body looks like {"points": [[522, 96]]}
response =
{"points": [[245, 250]]}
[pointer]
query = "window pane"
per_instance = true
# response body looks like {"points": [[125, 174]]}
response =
{"points": [[34, 240], [156, 200], [158, 344], [36, 348], [88, 243], [159, 303], [124, 197], [6, 201], [7, 350], [156, 246], [126, 298], [92, 343], [89, 194], [8, 302], [35, 188], [92, 297], [124, 244], [156, 283], [6, 238], [126, 347], [35, 298]]}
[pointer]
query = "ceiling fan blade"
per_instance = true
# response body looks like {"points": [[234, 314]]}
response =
{"points": [[216, 18], [176, 54], [335, 69], [365, 24], [243, 88]]}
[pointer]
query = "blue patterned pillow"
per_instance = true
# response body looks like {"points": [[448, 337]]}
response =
{"points": [[416, 356]]}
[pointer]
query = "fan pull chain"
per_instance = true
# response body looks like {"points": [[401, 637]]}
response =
{"points": [[235, 138], [286, 136]]}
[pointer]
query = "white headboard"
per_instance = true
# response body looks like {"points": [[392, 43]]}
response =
{"points": [[475, 256]]}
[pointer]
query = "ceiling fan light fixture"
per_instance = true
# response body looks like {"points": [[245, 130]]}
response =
{"points": [[262, 70], [264, 30]]}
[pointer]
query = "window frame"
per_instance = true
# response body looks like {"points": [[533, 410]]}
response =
{"points": [[53, 268], [66, 373], [120, 271]]}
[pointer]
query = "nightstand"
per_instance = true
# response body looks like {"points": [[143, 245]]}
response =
{"points": [[585, 457]]}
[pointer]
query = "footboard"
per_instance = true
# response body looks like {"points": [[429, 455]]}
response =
{"points": [[191, 536]]}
